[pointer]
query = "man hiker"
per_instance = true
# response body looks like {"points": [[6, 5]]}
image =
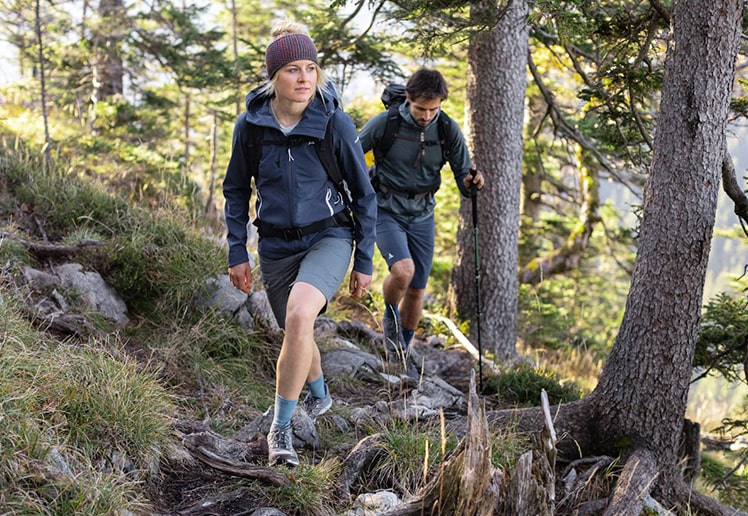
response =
{"points": [[411, 142]]}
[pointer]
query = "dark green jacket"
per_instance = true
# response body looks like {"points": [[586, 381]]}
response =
{"points": [[410, 166]]}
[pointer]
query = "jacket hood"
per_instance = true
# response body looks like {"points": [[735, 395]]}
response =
{"points": [[322, 107]]}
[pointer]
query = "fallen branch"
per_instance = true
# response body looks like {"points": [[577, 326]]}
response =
{"points": [[464, 341], [215, 451], [51, 250]]}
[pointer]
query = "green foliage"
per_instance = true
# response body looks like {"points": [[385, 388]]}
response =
{"points": [[12, 252], [213, 351], [614, 49], [718, 473], [108, 406], [151, 257], [580, 309], [507, 446], [312, 489], [723, 337], [521, 386]]}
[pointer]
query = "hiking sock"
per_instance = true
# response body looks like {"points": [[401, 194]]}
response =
{"points": [[391, 311], [407, 336], [318, 387], [283, 411]]}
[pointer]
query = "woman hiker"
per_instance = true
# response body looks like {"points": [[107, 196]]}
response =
{"points": [[306, 232]]}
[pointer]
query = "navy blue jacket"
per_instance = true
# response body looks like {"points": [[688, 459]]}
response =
{"points": [[293, 188]]}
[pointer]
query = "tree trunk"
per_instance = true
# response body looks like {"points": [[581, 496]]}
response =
{"points": [[42, 82], [644, 386], [496, 91], [638, 407], [109, 66]]}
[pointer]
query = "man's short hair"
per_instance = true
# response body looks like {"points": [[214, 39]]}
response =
{"points": [[427, 84]]}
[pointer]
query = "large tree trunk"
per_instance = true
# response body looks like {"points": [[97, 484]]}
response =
{"points": [[644, 386], [638, 407], [496, 92]]}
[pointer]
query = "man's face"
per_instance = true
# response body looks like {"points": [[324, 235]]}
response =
{"points": [[423, 111]]}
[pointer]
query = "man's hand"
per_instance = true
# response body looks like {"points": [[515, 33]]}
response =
{"points": [[474, 177], [241, 277], [359, 284]]}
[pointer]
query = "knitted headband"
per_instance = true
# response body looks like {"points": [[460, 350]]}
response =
{"points": [[287, 49]]}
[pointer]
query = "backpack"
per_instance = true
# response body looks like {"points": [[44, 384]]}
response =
{"points": [[324, 150], [392, 96]]}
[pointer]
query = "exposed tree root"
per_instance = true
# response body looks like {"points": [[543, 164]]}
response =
{"points": [[360, 459], [44, 251], [639, 484], [634, 485], [232, 456]]}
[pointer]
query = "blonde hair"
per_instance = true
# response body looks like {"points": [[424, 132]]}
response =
{"points": [[284, 28]]}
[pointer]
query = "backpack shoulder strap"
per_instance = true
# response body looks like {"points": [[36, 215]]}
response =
{"points": [[254, 148], [444, 127], [390, 133], [326, 154], [446, 136]]}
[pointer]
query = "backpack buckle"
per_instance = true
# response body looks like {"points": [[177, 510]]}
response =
{"points": [[292, 233]]}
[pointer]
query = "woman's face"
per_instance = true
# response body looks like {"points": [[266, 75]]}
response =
{"points": [[296, 81]]}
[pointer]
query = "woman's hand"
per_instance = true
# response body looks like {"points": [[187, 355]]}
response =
{"points": [[359, 284], [241, 277]]}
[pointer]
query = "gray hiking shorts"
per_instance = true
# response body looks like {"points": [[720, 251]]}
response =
{"points": [[323, 266]]}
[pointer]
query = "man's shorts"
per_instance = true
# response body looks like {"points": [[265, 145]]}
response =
{"points": [[323, 266], [397, 240]]}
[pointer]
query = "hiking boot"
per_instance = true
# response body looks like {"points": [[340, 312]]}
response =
{"points": [[315, 407], [412, 368], [280, 447], [394, 344]]}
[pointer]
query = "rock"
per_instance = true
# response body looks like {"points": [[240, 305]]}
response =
{"points": [[93, 291]]}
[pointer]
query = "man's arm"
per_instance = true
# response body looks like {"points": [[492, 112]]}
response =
{"points": [[372, 131], [459, 160]]}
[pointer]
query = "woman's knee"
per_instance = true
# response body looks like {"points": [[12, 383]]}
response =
{"points": [[304, 304]]}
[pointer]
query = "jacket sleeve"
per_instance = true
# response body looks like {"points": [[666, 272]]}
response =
{"points": [[237, 188], [372, 131], [459, 156], [353, 164]]}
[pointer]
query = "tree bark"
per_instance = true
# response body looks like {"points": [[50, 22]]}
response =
{"points": [[496, 91], [646, 378], [637, 409]]}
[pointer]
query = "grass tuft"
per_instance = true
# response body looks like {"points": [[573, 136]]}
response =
{"points": [[522, 386], [43, 387]]}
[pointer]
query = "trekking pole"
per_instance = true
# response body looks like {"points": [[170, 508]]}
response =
{"points": [[474, 199]]}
